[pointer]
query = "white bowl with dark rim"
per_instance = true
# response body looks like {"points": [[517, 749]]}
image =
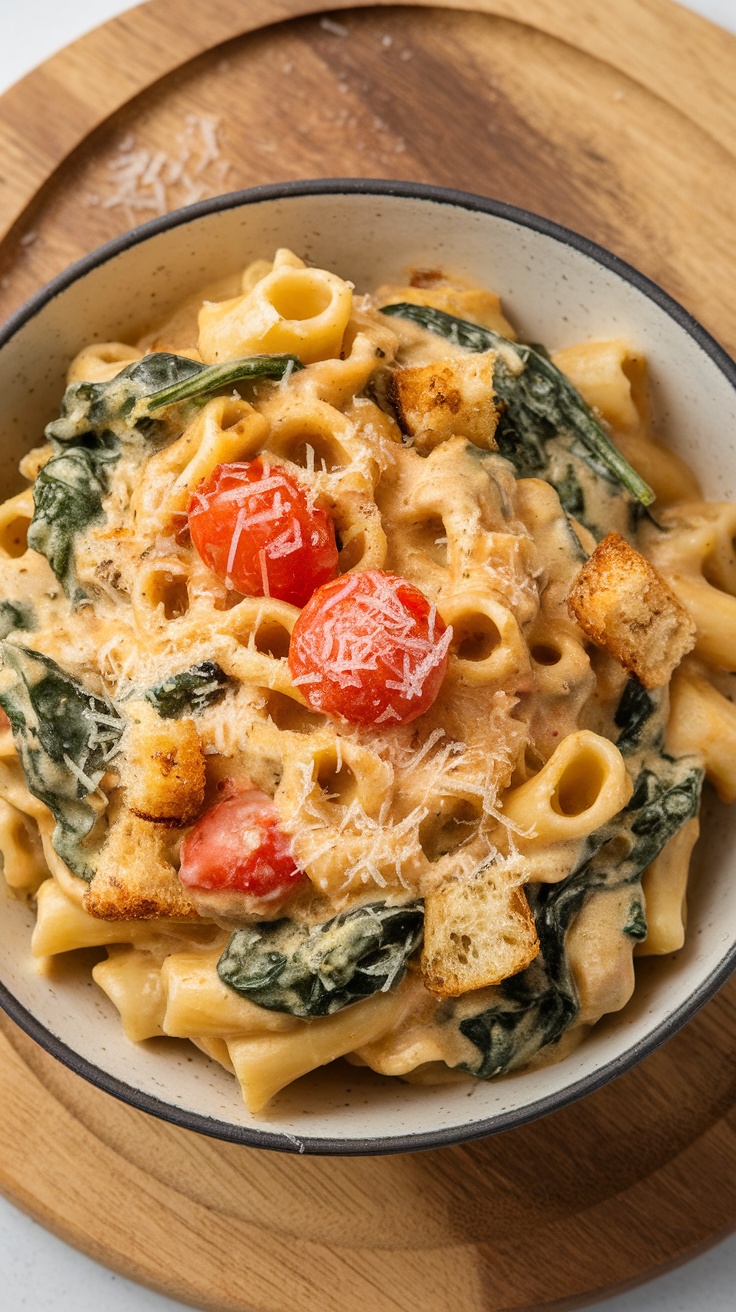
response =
{"points": [[557, 288]]}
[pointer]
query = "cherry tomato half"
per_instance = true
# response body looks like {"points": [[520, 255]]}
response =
{"points": [[238, 846], [253, 525], [370, 649]]}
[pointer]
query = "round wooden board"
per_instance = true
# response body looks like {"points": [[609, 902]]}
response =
{"points": [[623, 130]]}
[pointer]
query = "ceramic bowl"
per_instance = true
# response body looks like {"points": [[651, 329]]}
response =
{"points": [[557, 288]]}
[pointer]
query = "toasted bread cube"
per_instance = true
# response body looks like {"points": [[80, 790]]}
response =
{"points": [[622, 602], [162, 767], [135, 876], [477, 932], [450, 398]]}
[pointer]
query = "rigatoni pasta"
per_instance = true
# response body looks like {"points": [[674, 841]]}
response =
{"points": [[342, 709]]}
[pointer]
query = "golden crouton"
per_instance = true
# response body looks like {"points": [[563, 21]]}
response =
{"points": [[162, 767], [622, 602], [135, 876], [450, 398], [476, 933]]}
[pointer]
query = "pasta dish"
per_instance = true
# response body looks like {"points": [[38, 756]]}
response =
{"points": [[360, 669]]}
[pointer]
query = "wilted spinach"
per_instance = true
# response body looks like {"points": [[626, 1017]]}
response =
{"points": [[15, 615], [67, 498], [123, 407], [285, 966], [190, 692], [65, 736], [638, 716], [215, 377], [636, 925], [546, 429], [532, 1009], [99, 420]]}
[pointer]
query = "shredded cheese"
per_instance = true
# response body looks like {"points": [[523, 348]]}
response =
{"points": [[141, 180]]}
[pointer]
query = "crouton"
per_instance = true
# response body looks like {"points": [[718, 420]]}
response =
{"points": [[477, 932], [622, 602], [162, 767], [135, 876], [450, 398]]}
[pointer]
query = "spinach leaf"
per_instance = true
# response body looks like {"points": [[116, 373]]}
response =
{"points": [[532, 1009], [530, 1013], [95, 423], [67, 498], [106, 414], [285, 966], [65, 736], [99, 420], [15, 615], [546, 429], [638, 716], [636, 925], [213, 378], [190, 692], [121, 408]]}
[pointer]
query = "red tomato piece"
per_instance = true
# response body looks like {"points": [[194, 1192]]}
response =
{"points": [[238, 846], [370, 649], [253, 525]]}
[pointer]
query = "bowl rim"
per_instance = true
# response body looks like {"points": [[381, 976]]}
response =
{"points": [[279, 1140]]}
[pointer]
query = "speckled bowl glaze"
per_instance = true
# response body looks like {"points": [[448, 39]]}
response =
{"points": [[557, 288]]}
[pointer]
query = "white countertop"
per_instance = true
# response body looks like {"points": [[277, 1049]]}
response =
{"points": [[40, 1272]]}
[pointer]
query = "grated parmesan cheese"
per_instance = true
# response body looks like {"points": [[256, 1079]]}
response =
{"points": [[345, 848], [87, 781], [156, 181], [334, 29], [264, 572]]}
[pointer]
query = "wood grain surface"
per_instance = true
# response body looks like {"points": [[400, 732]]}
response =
{"points": [[620, 124]]}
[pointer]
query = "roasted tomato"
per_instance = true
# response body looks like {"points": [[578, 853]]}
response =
{"points": [[370, 649], [238, 846], [253, 525]]}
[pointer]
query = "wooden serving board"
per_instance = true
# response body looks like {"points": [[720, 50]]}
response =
{"points": [[619, 122]]}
